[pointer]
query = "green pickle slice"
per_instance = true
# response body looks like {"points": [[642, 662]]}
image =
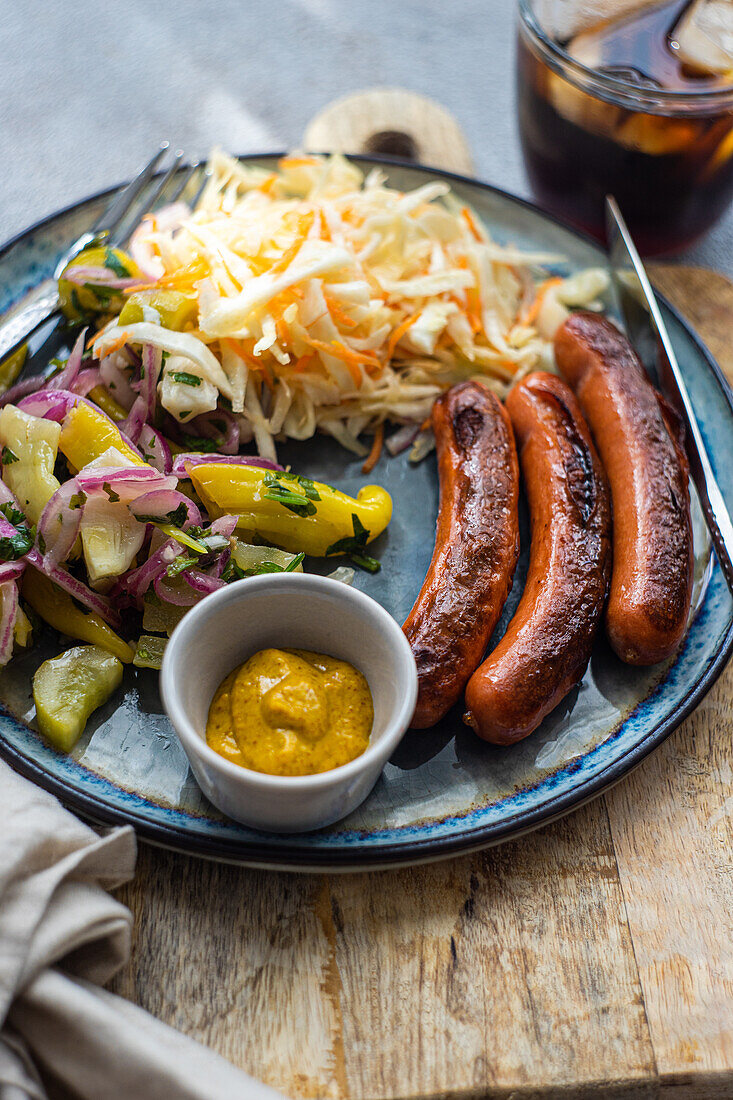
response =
{"points": [[68, 688]]}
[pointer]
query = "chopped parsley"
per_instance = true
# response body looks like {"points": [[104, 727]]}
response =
{"points": [[79, 499], [185, 378], [179, 516], [354, 545], [234, 572], [8, 456], [102, 293], [176, 518], [183, 561], [113, 496], [12, 514], [113, 263], [207, 446], [15, 546], [302, 505]]}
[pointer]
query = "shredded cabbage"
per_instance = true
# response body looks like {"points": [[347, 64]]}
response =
{"points": [[329, 301]]}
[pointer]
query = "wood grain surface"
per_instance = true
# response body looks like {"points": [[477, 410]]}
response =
{"points": [[592, 958]]}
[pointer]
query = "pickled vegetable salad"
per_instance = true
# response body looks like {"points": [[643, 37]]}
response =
{"points": [[312, 298], [99, 522]]}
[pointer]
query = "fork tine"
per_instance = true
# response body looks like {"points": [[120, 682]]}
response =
{"points": [[121, 202], [163, 184], [187, 177], [200, 190]]}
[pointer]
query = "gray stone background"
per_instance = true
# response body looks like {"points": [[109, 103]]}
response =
{"points": [[88, 87]]}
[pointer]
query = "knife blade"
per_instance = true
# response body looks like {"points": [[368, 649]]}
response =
{"points": [[648, 333]]}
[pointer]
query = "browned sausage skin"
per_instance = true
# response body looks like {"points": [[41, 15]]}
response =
{"points": [[476, 546], [548, 642], [651, 583]]}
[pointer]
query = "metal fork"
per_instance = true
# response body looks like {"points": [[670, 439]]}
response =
{"points": [[114, 227]]}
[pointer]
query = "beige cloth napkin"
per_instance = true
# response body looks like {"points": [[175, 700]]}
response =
{"points": [[61, 936]]}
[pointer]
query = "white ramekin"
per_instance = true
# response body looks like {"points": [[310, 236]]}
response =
{"points": [[287, 610]]}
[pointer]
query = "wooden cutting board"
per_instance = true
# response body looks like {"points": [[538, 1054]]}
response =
{"points": [[592, 958]]}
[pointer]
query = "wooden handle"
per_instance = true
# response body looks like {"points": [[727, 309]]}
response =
{"points": [[391, 122]]}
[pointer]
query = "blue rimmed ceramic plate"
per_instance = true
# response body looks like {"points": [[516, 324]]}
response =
{"points": [[444, 791]]}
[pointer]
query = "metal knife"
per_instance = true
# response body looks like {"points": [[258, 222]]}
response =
{"points": [[648, 333]]}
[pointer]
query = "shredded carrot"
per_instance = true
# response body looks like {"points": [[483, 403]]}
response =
{"points": [[282, 331], [256, 364], [305, 222], [426, 424], [296, 162], [471, 222], [373, 456], [119, 342], [339, 315], [303, 362], [530, 315], [239, 349], [182, 279], [399, 332], [323, 231], [352, 359], [267, 184]]}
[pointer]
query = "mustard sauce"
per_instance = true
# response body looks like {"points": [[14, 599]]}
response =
{"points": [[291, 712]]}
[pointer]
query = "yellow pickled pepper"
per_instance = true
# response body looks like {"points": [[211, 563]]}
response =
{"points": [[59, 611], [289, 511]]}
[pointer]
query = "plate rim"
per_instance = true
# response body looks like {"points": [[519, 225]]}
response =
{"points": [[292, 857]]}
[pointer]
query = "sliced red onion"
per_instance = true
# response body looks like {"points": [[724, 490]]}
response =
{"points": [[55, 404], [22, 389], [221, 562], [82, 274], [152, 359], [201, 582], [224, 525], [160, 503], [181, 462], [116, 381], [51, 404], [7, 530], [133, 424], [6, 497], [155, 449], [401, 439], [11, 570], [76, 588], [136, 583], [143, 408], [64, 379], [208, 426], [59, 524], [85, 381], [176, 595], [8, 615], [127, 482]]}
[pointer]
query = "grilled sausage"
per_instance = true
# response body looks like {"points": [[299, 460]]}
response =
{"points": [[476, 546], [639, 443], [548, 642]]}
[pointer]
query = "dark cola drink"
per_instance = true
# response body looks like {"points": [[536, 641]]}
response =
{"points": [[633, 99]]}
